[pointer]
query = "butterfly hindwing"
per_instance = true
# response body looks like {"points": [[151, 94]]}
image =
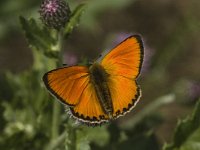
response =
{"points": [[89, 109], [125, 93]]}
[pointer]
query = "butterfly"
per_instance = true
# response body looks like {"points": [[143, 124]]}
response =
{"points": [[103, 91]]}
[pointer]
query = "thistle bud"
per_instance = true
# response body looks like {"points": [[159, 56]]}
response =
{"points": [[54, 13]]}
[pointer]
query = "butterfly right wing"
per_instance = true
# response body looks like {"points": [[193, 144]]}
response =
{"points": [[126, 58], [123, 65], [125, 94]]}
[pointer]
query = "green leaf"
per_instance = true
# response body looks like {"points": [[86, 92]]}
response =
{"points": [[98, 135], [74, 19], [185, 132], [193, 143], [38, 38]]}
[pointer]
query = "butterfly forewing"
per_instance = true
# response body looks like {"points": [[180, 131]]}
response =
{"points": [[125, 59], [68, 83]]}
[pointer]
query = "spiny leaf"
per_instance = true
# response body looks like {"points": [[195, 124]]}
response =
{"points": [[39, 38], [185, 129], [74, 19]]}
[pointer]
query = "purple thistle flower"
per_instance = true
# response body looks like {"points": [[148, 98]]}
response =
{"points": [[54, 13]]}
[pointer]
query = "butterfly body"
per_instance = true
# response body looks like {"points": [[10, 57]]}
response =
{"points": [[104, 91], [99, 78]]}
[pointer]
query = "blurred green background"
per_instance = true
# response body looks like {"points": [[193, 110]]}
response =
{"points": [[170, 77]]}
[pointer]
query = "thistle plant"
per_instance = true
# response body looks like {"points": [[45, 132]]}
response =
{"points": [[47, 44]]}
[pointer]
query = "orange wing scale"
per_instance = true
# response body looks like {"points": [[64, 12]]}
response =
{"points": [[125, 93], [89, 108], [71, 85], [65, 82], [123, 64], [125, 59]]}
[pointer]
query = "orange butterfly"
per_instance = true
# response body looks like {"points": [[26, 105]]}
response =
{"points": [[103, 91]]}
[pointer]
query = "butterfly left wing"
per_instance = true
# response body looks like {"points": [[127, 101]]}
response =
{"points": [[72, 86]]}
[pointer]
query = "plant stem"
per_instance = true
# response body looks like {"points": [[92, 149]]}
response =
{"points": [[57, 142], [73, 139], [55, 120], [56, 104], [60, 47]]}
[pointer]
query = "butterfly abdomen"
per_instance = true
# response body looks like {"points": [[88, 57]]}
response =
{"points": [[99, 78]]}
